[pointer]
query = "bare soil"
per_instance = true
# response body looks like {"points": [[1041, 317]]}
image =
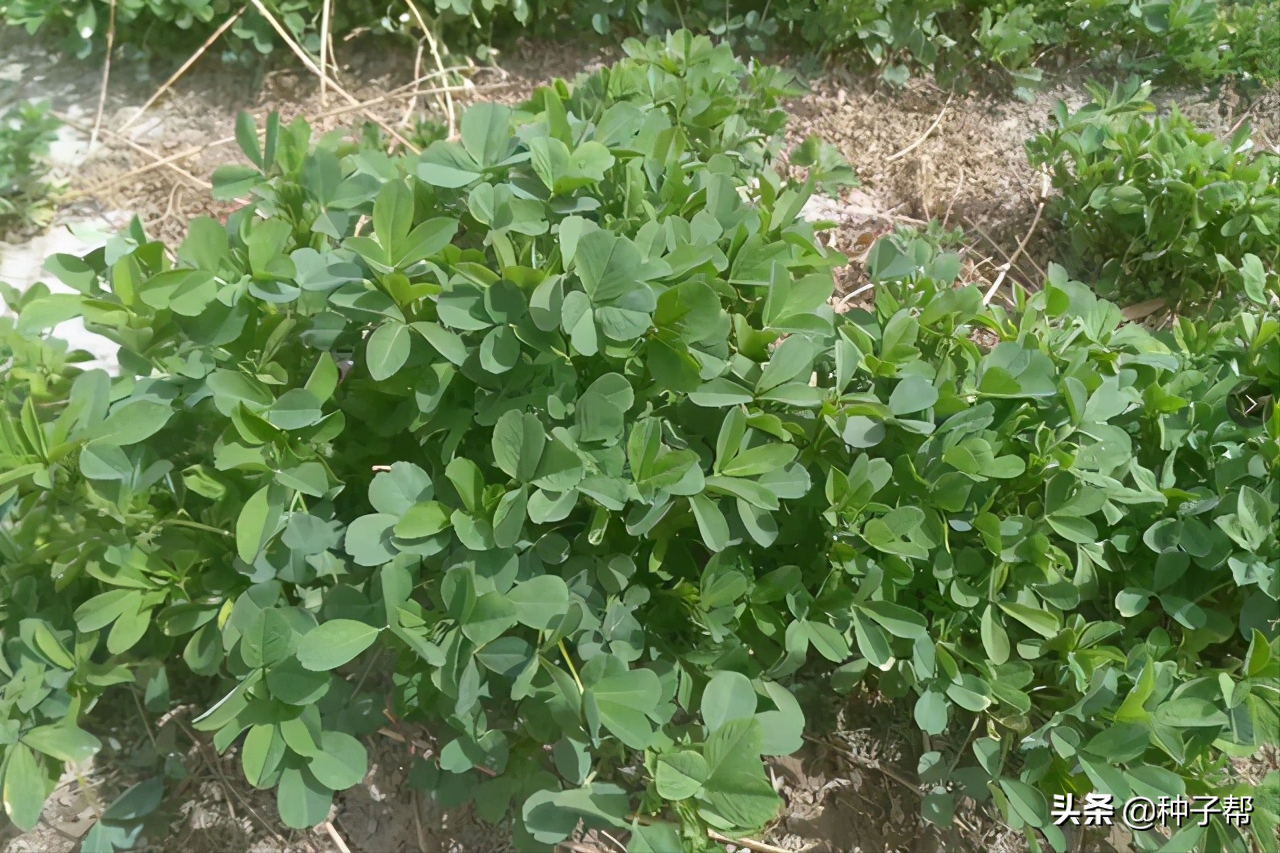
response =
{"points": [[921, 154]]}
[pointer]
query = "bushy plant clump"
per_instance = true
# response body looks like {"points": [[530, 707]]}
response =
{"points": [[555, 428], [1154, 207], [26, 131], [1203, 40]]}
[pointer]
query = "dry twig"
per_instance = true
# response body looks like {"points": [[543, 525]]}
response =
{"points": [[141, 149], [1022, 244], [937, 121], [168, 162], [417, 72], [748, 843], [106, 76], [417, 821], [293, 45], [191, 60], [338, 840], [226, 785], [850, 296], [435, 54], [874, 765], [955, 195], [324, 50], [226, 140]]}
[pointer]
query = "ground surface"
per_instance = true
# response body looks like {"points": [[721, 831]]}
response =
{"points": [[921, 154]]}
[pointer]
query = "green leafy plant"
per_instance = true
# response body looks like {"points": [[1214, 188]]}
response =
{"points": [[26, 130], [1156, 208], [555, 428], [959, 40]]}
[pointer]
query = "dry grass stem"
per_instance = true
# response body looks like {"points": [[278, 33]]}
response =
{"points": [[106, 75], [913, 146], [337, 838], [297, 50], [186, 66], [324, 51], [435, 54]]}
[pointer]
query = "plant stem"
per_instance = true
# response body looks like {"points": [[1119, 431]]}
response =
{"points": [[195, 525], [569, 662]]}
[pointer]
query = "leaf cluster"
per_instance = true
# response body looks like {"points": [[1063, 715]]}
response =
{"points": [[964, 40], [1154, 207], [554, 427], [958, 40], [26, 130]]}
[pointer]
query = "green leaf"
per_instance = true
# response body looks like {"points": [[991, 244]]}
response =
{"points": [[486, 132], [231, 389], [269, 640], [783, 728], [744, 797], [132, 423], [1188, 712], [728, 696], [931, 712], [1073, 528], [1041, 621], [446, 176], [897, 620], [136, 802], [499, 350], [301, 799], [334, 643], [711, 522], [388, 350], [295, 410], [1122, 742], [397, 491], [445, 342], [994, 639], [872, 640], [426, 240], [423, 520], [622, 703], [970, 693], [24, 787], [602, 407], [550, 816], [392, 215], [719, 393], [258, 522], [790, 360], [368, 539], [261, 753], [1028, 803], [760, 460], [247, 138], [341, 763], [912, 394], [653, 838], [679, 775], [735, 743], [540, 601], [518, 441], [294, 685], [491, 617], [64, 741]]}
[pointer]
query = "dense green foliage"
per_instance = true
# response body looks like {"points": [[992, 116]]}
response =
{"points": [[1155, 207], [1203, 40], [1189, 39], [26, 130], [555, 428]]}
